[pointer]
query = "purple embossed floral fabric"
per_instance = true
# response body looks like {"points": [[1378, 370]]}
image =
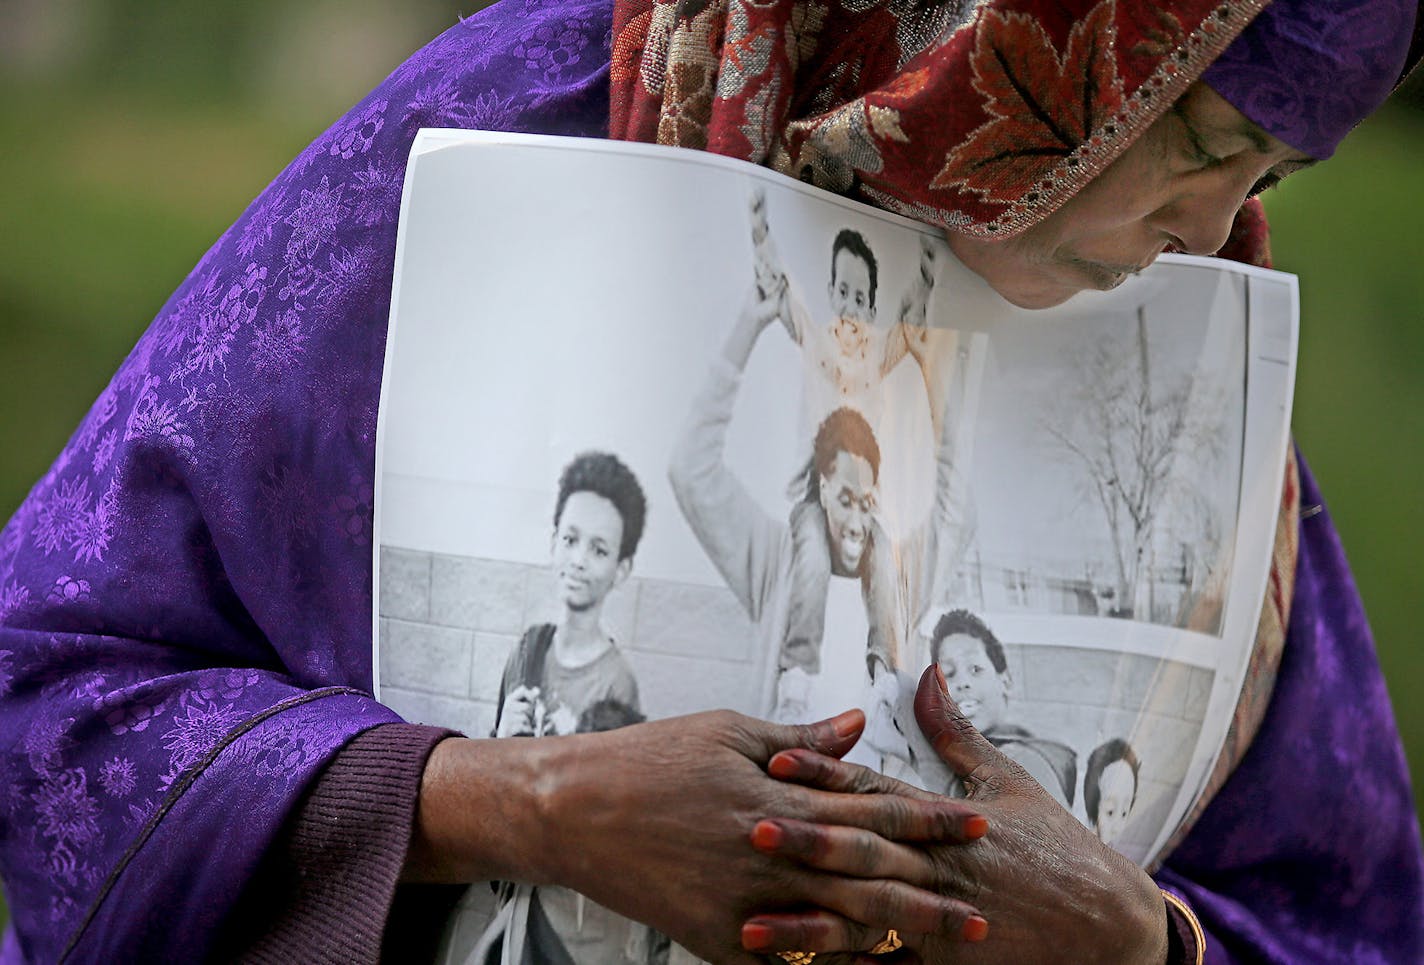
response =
{"points": [[1308, 71], [1310, 852], [185, 599]]}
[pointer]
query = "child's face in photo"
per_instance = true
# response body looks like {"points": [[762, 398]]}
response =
{"points": [[1117, 786], [848, 497], [851, 294], [585, 551], [981, 692]]}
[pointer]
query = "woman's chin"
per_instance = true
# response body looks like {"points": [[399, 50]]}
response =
{"points": [[1036, 297], [1019, 279], [1038, 300], [1034, 290]]}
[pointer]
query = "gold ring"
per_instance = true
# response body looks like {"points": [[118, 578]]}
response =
{"points": [[891, 942], [796, 958]]}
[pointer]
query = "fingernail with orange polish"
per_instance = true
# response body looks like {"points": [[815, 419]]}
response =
{"points": [[767, 836], [847, 723], [756, 936], [783, 765], [976, 826], [976, 929]]}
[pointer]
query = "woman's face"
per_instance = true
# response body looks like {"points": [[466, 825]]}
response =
{"points": [[1179, 185], [586, 543]]}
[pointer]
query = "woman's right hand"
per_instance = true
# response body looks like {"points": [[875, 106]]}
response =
{"points": [[655, 822], [1051, 892]]}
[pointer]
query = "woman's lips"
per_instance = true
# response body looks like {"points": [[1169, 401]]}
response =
{"points": [[1106, 275]]}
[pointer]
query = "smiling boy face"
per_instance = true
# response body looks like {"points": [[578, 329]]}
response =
{"points": [[585, 551], [851, 290]]}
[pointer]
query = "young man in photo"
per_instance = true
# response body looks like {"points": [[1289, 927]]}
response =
{"points": [[846, 362], [569, 677], [756, 554], [977, 671]]}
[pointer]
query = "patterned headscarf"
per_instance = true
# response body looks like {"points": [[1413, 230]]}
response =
{"points": [[1308, 71], [981, 118]]}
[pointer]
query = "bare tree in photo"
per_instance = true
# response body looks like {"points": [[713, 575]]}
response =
{"points": [[1129, 431]]}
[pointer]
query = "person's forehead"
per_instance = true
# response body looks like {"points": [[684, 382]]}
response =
{"points": [[964, 645], [588, 508], [1117, 775], [1201, 105], [853, 468], [847, 261]]}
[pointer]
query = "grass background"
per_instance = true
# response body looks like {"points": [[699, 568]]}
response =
{"points": [[135, 131]]}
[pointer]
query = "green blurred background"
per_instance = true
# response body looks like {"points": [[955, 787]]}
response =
{"points": [[132, 132]]}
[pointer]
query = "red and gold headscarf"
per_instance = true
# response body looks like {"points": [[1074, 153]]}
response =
{"points": [[981, 118]]}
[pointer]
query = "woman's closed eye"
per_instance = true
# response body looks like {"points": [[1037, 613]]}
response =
{"points": [[1265, 183], [1279, 173]]}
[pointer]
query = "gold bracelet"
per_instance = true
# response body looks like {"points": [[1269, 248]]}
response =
{"points": [[1198, 935]]}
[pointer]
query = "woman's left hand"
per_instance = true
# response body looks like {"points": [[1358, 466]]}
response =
{"points": [[1050, 890]]}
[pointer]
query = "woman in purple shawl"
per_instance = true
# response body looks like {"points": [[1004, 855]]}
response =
{"points": [[194, 766]]}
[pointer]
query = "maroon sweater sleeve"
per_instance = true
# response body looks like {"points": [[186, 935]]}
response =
{"points": [[328, 892]]}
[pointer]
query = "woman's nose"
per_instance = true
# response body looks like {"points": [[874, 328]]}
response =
{"points": [[1199, 222]]}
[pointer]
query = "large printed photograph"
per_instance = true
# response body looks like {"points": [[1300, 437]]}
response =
{"points": [[738, 444]]}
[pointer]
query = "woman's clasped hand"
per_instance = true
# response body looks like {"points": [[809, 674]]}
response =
{"points": [[1044, 888], [663, 822]]}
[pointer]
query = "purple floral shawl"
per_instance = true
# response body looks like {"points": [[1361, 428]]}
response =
{"points": [[185, 597]]}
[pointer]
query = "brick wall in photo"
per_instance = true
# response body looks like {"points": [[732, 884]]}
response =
{"points": [[449, 623]]}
